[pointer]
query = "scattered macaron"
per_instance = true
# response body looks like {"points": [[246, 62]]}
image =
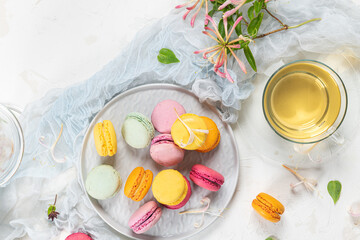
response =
{"points": [[78, 236], [165, 152], [171, 189], [137, 130], [165, 114], [105, 138], [145, 217], [138, 183], [103, 182], [213, 137], [268, 207], [206, 177], [189, 131]]}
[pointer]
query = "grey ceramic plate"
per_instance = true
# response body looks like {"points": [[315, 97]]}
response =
{"points": [[117, 210]]}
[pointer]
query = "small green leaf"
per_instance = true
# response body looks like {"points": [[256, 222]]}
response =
{"points": [[334, 189], [211, 13], [254, 25], [238, 29], [250, 58], [271, 238], [247, 1], [258, 6], [230, 22], [221, 28], [51, 209], [167, 56], [251, 13]]}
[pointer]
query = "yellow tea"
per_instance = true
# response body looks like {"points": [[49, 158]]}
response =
{"points": [[301, 101]]}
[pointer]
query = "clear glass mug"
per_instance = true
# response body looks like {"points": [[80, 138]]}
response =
{"points": [[305, 102], [11, 142]]}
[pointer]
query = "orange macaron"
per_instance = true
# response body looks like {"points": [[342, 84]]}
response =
{"points": [[213, 137], [138, 183], [268, 207]]}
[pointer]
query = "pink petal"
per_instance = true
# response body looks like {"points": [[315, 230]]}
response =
{"points": [[182, 5], [224, 4], [185, 15], [234, 26], [241, 64]]}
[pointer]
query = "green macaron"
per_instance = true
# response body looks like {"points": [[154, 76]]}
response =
{"points": [[137, 130], [103, 182]]}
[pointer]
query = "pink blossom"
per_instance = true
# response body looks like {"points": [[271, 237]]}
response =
{"points": [[192, 7], [219, 52]]}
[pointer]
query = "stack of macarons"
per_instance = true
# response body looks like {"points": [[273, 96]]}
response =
{"points": [[178, 131]]}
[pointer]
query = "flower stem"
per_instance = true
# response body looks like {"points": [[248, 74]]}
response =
{"points": [[311, 20], [274, 17], [55, 199], [286, 27]]}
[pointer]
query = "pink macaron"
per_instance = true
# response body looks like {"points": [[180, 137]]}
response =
{"points": [[186, 199], [78, 236], [206, 177], [164, 115], [165, 152], [145, 217]]}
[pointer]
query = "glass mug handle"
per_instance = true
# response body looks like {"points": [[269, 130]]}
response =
{"points": [[315, 155]]}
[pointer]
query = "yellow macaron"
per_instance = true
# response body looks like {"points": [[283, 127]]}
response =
{"points": [[212, 139], [105, 138], [169, 187], [189, 131]]}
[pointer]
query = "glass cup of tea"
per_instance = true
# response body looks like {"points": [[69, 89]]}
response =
{"points": [[305, 102]]}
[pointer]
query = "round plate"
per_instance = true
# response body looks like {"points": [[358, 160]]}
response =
{"points": [[117, 210], [270, 146]]}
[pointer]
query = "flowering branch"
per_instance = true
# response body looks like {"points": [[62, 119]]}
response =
{"points": [[221, 33]]}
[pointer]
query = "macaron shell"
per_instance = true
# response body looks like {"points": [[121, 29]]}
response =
{"points": [[186, 199], [138, 184], [169, 187], [265, 212], [164, 115], [206, 177], [137, 130], [145, 217], [165, 152], [271, 202], [212, 139], [103, 182], [78, 236], [181, 135], [99, 138], [110, 137]]}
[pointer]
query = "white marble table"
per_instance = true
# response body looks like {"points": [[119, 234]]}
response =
{"points": [[52, 44]]}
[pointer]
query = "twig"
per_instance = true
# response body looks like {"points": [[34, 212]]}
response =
{"points": [[284, 25]]}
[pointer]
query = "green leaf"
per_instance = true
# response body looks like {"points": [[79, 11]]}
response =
{"points": [[238, 27], [251, 13], [334, 189], [211, 13], [250, 58], [271, 238], [247, 1], [258, 6], [167, 56], [221, 28], [254, 25], [51, 209]]}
